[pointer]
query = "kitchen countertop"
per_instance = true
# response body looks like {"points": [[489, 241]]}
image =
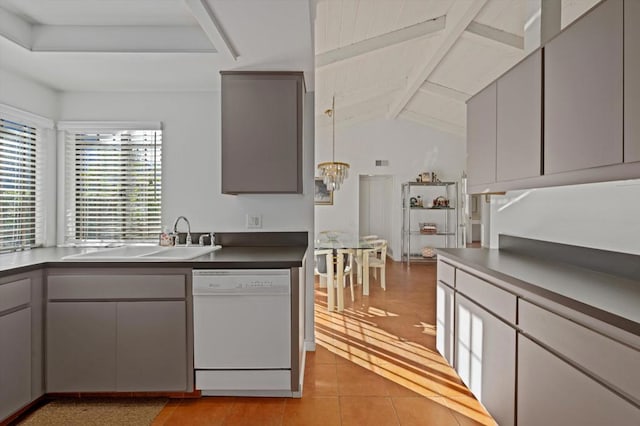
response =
{"points": [[609, 298], [227, 257]]}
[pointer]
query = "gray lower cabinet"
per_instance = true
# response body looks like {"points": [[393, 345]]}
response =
{"points": [[486, 358], [151, 346], [444, 321], [20, 341], [81, 342], [117, 333], [631, 81], [583, 94], [552, 392], [15, 361], [481, 138]]}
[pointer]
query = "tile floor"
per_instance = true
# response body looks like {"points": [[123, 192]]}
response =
{"points": [[375, 364]]}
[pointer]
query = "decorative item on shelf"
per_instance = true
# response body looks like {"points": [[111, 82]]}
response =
{"points": [[419, 202], [413, 202], [333, 172], [428, 252], [440, 202], [428, 228], [425, 177]]}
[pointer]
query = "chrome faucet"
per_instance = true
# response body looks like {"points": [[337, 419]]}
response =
{"points": [[175, 230]]}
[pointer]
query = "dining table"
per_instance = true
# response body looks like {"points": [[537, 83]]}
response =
{"points": [[338, 245]]}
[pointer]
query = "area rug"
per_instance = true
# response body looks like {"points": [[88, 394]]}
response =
{"points": [[96, 412]]}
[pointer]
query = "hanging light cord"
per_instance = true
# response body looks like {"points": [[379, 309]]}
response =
{"points": [[332, 113]]}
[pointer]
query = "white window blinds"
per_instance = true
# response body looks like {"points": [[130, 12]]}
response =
{"points": [[113, 185], [20, 181]]}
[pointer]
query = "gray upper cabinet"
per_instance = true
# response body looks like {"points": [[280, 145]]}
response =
{"points": [[262, 132], [583, 96], [631, 81], [519, 120], [481, 137]]}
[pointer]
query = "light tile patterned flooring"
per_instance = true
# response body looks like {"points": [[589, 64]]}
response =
{"points": [[375, 364]]}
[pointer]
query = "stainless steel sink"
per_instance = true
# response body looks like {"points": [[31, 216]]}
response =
{"points": [[143, 253]]}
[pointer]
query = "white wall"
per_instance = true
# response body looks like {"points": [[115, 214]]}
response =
{"points": [[601, 215], [28, 95], [411, 148], [191, 163], [191, 160]]}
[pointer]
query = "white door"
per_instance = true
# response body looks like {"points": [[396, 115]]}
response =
{"points": [[375, 206]]}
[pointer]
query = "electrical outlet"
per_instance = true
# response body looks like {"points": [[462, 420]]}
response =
{"points": [[254, 221]]}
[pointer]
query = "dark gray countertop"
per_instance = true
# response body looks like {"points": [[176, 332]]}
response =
{"points": [[610, 298], [226, 257]]}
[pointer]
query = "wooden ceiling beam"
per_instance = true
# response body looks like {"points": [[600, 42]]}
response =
{"points": [[447, 92], [207, 20], [499, 36], [461, 14], [422, 29]]}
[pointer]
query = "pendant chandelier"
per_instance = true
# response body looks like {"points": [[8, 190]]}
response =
{"points": [[333, 172]]}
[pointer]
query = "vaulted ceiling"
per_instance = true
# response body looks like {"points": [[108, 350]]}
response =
{"points": [[149, 45], [418, 60]]}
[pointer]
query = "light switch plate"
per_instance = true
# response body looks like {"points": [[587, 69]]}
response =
{"points": [[254, 221]]}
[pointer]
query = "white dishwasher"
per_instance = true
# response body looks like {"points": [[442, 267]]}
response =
{"points": [[242, 331]]}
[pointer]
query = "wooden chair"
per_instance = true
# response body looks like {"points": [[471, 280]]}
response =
{"points": [[375, 258], [335, 268], [358, 256]]}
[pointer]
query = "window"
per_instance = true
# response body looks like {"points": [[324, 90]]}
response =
{"points": [[113, 182], [20, 178]]}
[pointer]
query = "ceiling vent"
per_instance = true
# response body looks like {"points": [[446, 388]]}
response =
{"points": [[382, 163]]}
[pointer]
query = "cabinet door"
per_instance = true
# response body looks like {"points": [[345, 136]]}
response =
{"points": [[519, 120], [444, 321], [485, 358], [15, 361], [552, 392], [584, 92], [152, 346], [261, 133], [81, 347], [481, 137], [631, 81]]}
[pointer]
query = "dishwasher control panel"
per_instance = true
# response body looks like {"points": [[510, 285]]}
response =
{"points": [[236, 281]]}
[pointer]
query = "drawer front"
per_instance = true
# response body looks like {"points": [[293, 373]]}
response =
{"points": [[101, 287], [552, 392], [492, 298], [15, 293], [613, 362], [446, 273]]}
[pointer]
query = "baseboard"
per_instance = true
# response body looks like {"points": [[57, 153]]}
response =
{"points": [[13, 418], [309, 346], [193, 394]]}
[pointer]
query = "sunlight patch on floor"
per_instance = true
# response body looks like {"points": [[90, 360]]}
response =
{"points": [[357, 335]]}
